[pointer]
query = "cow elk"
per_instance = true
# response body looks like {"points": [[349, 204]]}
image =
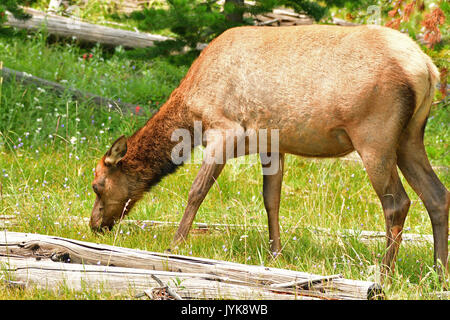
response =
{"points": [[324, 90]]}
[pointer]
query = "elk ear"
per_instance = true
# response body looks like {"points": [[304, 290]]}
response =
{"points": [[116, 152]]}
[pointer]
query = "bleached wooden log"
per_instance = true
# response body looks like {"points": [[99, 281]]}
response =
{"points": [[10, 74], [58, 249], [46, 274], [364, 236], [444, 295], [84, 31], [354, 157], [300, 283], [370, 236], [7, 221], [53, 6], [280, 17], [7, 217], [341, 22], [170, 291]]}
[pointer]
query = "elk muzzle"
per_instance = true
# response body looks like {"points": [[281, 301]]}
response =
{"points": [[98, 222]]}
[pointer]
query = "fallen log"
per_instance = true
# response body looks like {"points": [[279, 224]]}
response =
{"points": [[365, 236], [341, 22], [44, 259], [84, 31], [354, 157], [7, 221], [28, 79], [46, 274], [282, 17]]}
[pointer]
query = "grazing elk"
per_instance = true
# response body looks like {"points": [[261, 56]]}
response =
{"points": [[325, 90]]}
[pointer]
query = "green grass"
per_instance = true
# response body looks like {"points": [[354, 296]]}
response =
{"points": [[49, 146]]}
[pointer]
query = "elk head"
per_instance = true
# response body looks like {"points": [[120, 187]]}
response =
{"points": [[114, 197]]}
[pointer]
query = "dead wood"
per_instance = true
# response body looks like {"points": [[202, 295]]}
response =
{"points": [[27, 79], [364, 236], [84, 31], [46, 260]]}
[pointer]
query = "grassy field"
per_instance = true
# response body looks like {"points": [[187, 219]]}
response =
{"points": [[49, 146]]}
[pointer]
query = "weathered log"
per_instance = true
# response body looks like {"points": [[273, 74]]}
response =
{"points": [[365, 236], [170, 291], [368, 236], [257, 278], [27, 79], [282, 17], [444, 295], [354, 156], [46, 274], [7, 221], [84, 31], [53, 6], [341, 22]]}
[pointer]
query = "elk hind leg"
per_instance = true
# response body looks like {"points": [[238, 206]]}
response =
{"points": [[272, 193], [415, 166], [382, 170]]}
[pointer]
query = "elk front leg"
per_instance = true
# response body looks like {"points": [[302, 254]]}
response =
{"points": [[215, 157], [206, 176], [272, 193]]}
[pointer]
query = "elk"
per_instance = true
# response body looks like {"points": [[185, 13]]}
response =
{"points": [[326, 91]]}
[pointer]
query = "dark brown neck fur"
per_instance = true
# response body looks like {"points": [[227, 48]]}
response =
{"points": [[148, 158]]}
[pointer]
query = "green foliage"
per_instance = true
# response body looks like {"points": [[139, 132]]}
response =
{"points": [[13, 6], [313, 8], [200, 21], [192, 21]]}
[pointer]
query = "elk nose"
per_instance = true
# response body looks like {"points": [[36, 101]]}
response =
{"points": [[96, 216], [95, 224]]}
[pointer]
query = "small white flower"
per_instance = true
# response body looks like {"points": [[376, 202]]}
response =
{"points": [[73, 140]]}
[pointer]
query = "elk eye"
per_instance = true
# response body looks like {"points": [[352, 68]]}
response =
{"points": [[95, 188]]}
